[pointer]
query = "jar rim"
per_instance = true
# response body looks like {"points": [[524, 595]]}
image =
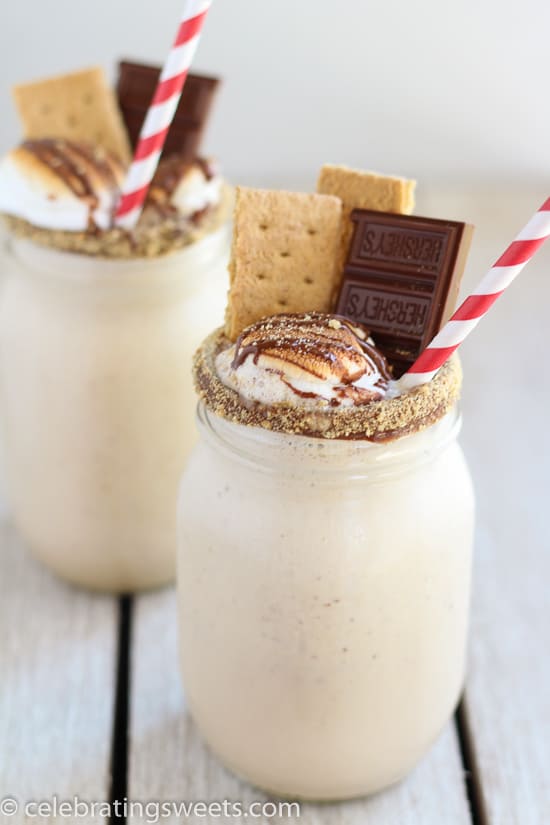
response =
{"points": [[82, 269], [387, 419], [270, 451]]}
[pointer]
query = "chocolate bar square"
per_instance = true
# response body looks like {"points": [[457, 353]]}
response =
{"points": [[135, 89], [401, 279]]}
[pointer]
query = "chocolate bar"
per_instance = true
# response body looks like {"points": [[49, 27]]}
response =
{"points": [[401, 279], [135, 89]]}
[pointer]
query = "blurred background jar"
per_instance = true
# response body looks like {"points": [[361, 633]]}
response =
{"points": [[97, 402]]}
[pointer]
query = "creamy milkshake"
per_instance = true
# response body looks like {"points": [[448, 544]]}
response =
{"points": [[97, 331], [324, 563], [326, 515]]}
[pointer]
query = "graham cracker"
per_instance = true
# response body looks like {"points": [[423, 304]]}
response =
{"points": [[367, 190], [364, 190], [76, 106], [283, 256]]}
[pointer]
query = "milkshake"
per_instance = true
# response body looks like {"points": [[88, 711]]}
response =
{"points": [[97, 330], [331, 526], [326, 515]]}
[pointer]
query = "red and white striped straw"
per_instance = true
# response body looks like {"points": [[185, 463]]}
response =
{"points": [[472, 310], [161, 113]]}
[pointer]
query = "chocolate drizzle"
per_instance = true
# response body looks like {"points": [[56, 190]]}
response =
{"points": [[327, 348], [79, 166]]}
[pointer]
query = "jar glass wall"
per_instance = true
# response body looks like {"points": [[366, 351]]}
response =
{"points": [[323, 593]]}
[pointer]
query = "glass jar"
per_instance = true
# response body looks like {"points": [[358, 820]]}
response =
{"points": [[323, 595], [97, 403]]}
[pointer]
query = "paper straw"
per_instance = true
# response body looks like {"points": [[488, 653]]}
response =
{"points": [[476, 305], [161, 113]]}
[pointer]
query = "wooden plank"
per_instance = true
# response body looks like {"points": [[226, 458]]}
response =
{"points": [[57, 667], [507, 440], [168, 762]]}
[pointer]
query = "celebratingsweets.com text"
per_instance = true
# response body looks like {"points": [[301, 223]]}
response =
{"points": [[150, 812]]}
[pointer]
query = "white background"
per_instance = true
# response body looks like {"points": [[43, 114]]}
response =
{"points": [[445, 92]]}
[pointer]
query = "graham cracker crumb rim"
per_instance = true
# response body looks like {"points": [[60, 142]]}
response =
{"points": [[379, 421], [155, 241]]}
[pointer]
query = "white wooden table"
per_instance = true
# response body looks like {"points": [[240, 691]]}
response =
{"points": [[90, 699]]}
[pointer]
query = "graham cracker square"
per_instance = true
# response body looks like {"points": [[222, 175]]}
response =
{"points": [[364, 190], [367, 190], [76, 106], [283, 256]]}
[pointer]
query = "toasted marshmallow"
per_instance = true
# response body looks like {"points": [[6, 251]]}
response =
{"points": [[60, 185], [186, 187], [196, 192], [313, 360]]}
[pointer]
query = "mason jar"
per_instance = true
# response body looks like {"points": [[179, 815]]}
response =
{"points": [[97, 403], [323, 596]]}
